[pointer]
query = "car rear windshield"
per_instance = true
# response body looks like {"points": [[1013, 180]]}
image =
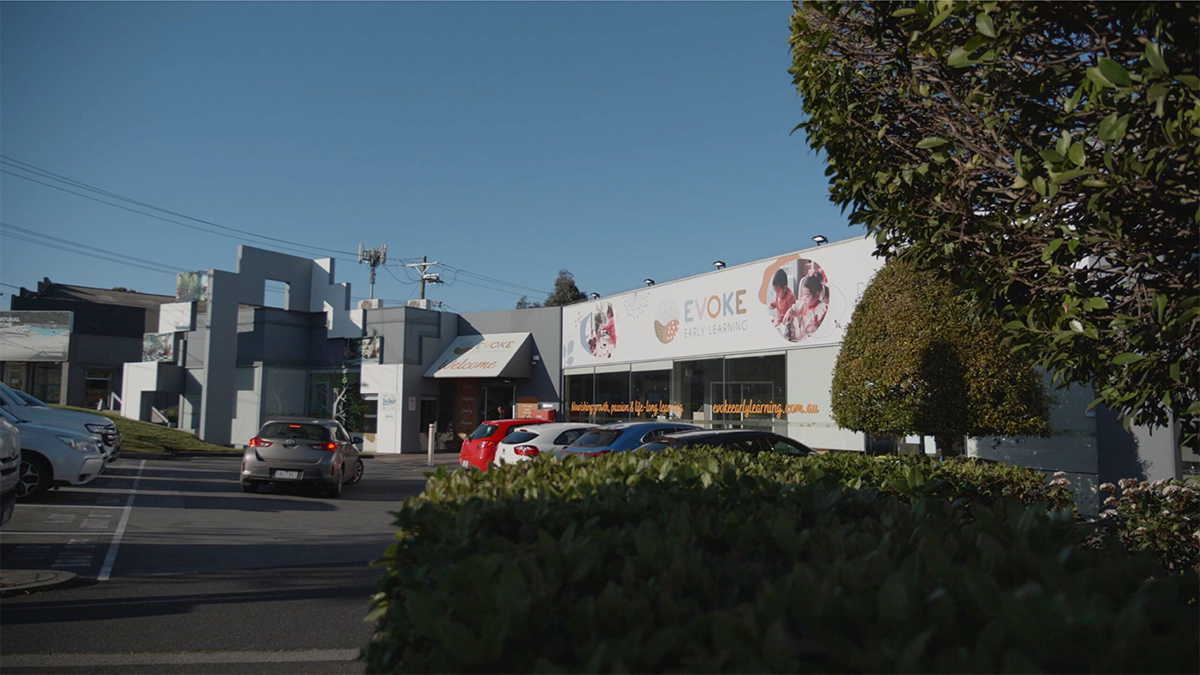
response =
{"points": [[483, 431], [305, 432], [597, 439], [520, 437]]}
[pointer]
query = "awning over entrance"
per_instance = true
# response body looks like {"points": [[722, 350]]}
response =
{"points": [[483, 356]]}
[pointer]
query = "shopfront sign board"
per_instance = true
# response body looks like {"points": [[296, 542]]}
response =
{"points": [[35, 336], [796, 300]]}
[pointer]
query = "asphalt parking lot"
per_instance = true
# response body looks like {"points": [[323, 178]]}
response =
{"points": [[172, 569], [154, 515]]}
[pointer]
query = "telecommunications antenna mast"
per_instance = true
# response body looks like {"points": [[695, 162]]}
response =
{"points": [[373, 257]]}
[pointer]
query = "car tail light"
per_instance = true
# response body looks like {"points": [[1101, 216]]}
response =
{"points": [[596, 453], [259, 443], [330, 446], [487, 445], [526, 451]]}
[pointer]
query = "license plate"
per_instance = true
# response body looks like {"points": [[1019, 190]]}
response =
{"points": [[286, 474]]}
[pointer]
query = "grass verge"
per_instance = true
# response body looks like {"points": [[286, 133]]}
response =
{"points": [[146, 437]]}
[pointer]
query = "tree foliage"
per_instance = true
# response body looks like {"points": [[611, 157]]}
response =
{"points": [[916, 360], [1041, 155], [565, 292]]}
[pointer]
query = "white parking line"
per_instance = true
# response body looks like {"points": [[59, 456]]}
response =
{"points": [[15, 533], [106, 570], [67, 506], [174, 658]]}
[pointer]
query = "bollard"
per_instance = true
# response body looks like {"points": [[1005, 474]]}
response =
{"points": [[431, 442]]}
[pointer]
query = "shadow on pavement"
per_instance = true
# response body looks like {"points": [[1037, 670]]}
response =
{"points": [[339, 581]]}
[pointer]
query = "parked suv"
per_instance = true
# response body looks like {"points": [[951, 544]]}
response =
{"points": [[10, 462], [29, 408], [52, 456], [302, 450]]}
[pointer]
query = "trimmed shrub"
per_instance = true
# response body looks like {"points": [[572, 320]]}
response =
{"points": [[709, 562], [1162, 517], [955, 478]]}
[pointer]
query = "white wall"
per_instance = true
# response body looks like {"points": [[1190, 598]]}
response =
{"points": [[809, 376], [137, 378], [247, 409], [1071, 447], [384, 382]]}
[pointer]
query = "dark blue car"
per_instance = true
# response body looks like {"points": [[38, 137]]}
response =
{"points": [[623, 436]]}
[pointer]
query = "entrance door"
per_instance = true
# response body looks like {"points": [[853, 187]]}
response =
{"points": [[14, 375], [429, 415], [498, 401]]}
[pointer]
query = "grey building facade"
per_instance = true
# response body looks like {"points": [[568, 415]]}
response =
{"points": [[408, 377]]}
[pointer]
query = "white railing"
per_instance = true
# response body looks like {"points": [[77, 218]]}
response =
{"points": [[155, 412], [113, 402]]}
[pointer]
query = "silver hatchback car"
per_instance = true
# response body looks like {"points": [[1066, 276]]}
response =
{"points": [[302, 450]]}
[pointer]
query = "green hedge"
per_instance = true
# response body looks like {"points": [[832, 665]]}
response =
{"points": [[717, 562]]}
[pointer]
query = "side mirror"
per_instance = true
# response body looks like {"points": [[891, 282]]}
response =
{"points": [[357, 440]]}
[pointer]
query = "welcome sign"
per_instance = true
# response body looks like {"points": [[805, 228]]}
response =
{"points": [[484, 356], [797, 300]]}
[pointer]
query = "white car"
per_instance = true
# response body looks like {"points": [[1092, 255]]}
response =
{"points": [[53, 456], [10, 462], [31, 409], [525, 443]]}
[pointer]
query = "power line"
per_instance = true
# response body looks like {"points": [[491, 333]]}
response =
{"points": [[403, 281], [490, 288], [286, 244], [458, 270], [89, 254], [87, 250], [42, 173]]}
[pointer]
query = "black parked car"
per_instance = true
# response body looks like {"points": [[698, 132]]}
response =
{"points": [[744, 440]]}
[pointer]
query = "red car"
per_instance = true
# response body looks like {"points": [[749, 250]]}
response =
{"points": [[480, 446]]}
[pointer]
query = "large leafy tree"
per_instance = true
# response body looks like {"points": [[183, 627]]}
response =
{"points": [[565, 292], [916, 360], [1041, 155]]}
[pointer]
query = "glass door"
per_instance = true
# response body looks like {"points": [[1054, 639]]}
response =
{"points": [[499, 401]]}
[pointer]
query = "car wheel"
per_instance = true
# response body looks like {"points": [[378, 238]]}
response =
{"points": [[36, 476], [334, 491], [249, 487], [358, 472]]}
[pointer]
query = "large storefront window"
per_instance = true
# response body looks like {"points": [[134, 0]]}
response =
{"points": [[754, 393], [612, 397], [580, 392], [650, 392], [692, 387], [718, 393]]}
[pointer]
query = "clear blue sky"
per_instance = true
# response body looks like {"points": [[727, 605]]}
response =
{"points": [[509, 140]]}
